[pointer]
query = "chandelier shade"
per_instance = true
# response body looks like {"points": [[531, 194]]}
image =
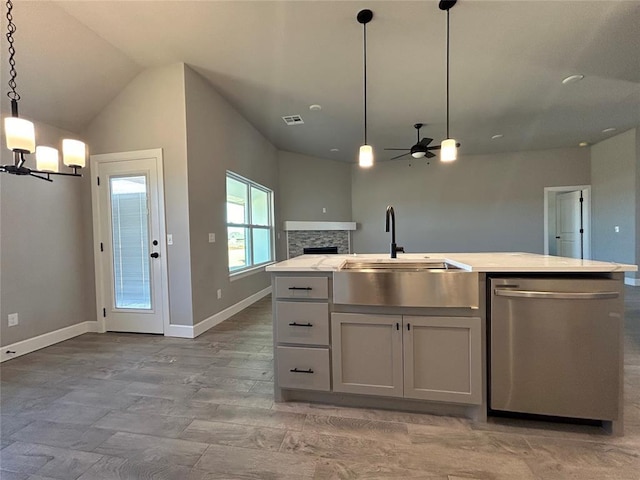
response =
{"points": [[20, 134], [365, 158], [47, 159]]}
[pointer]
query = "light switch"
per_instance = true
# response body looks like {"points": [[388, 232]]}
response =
{"points": [[212, 238], [169, 239], [13, 319], [616, 229]]}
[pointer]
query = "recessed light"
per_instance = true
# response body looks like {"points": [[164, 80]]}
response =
{"points": [[607, 130], [315, 107], [335, 150], [572, 79], [583, 144], [495, 137]]}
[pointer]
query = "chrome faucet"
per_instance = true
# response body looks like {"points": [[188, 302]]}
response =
{"points": [[394, 248]]}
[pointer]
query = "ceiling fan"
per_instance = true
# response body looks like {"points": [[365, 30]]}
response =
{"points": [[420, 149]]}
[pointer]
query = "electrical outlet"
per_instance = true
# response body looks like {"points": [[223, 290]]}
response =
{"points": [[212, 238], [324, 209], [616, 229], [169, 239], [13, 319], [219, 294]]}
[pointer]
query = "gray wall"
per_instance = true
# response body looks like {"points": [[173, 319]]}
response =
{"points": [[478, 203], [44, 248], [150, 113], [309, 184], [614, 168], [219, 139]]}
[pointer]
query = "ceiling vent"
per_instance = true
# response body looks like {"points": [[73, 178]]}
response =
{"points": [[293, 120]]}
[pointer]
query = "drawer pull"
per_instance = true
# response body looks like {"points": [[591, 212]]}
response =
{"points": [[300, 288], [296, 324], [295, 370]]}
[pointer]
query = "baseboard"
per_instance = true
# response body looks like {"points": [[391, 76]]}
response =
{"points": [[201, 327], [46, 339], [179, 331], [634, 282]]}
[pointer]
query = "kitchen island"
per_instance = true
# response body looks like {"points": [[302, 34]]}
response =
{"points": [[415, 333]]}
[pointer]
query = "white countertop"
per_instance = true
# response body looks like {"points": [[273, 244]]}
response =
{"points": [[472, 262]]}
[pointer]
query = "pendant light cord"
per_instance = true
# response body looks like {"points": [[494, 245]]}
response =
{"points": [[11, 28], [364, 25], [448, 73]]}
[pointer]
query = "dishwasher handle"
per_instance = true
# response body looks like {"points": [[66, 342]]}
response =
{"points": [[499, 292]]}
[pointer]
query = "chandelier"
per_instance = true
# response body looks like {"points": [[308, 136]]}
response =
{"points": [[20, 133]]}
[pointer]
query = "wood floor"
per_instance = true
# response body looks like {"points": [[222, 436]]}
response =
{"points": [[119, 406]]}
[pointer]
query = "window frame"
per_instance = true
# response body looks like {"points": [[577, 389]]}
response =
{"points": [[249, 226]]}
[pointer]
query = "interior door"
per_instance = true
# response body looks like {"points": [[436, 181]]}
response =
{"points": [[569, 224], [131, 243]]}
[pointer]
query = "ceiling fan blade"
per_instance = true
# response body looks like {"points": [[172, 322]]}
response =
{"points": [[399, 156], [406, 149], [425, 141], [434, 147], [429, 155]]}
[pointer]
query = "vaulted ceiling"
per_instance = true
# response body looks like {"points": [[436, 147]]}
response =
{"points": [[276, 58]]}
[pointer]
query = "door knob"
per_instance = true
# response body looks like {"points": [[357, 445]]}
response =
{"points": [[155, 255], [557, 237]]}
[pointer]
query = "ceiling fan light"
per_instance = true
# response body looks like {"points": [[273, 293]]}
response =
{"points": [[448, 150], [47, 159], [74, 153], [365, 159], [418, 154], [20, 134]]}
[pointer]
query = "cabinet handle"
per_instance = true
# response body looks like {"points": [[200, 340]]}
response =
{"points": [[295, 324], [300, 288], [397, 326], [408, 326], [295, 370]]}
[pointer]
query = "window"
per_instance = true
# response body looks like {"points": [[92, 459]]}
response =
{"points": [[249, 223]]}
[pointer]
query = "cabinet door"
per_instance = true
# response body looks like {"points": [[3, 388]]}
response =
{"points": [[367, 354], [442, 359]]}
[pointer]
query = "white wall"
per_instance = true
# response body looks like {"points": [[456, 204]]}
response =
{"points": [[478, 203], [614, 171], [219, 139], [150, 113], [44, 248]]}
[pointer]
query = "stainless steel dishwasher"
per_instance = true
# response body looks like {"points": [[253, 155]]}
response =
{"points": [[556, 346]]}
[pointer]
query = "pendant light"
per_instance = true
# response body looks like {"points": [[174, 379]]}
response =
{"points": [[448, 147], [365, 157], [20, 133]]}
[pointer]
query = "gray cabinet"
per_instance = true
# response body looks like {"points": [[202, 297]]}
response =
{"points": [[367, 354], [443, 359], [301, 333], [429, 358]]}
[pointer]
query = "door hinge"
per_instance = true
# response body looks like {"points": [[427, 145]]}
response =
{"points": [[98, 179], [582, 230], [581, 199], [104, 312], [101, 247]]}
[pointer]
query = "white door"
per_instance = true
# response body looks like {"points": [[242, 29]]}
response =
{"points": [[129, 235], [569, 224]]}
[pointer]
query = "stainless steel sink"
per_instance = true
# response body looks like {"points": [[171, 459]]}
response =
{"points": [[405, 284], [365, 266]]}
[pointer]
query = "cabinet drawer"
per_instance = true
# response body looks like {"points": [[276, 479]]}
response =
{"points": [[302, 287], [302, 322], [303, 368]]}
